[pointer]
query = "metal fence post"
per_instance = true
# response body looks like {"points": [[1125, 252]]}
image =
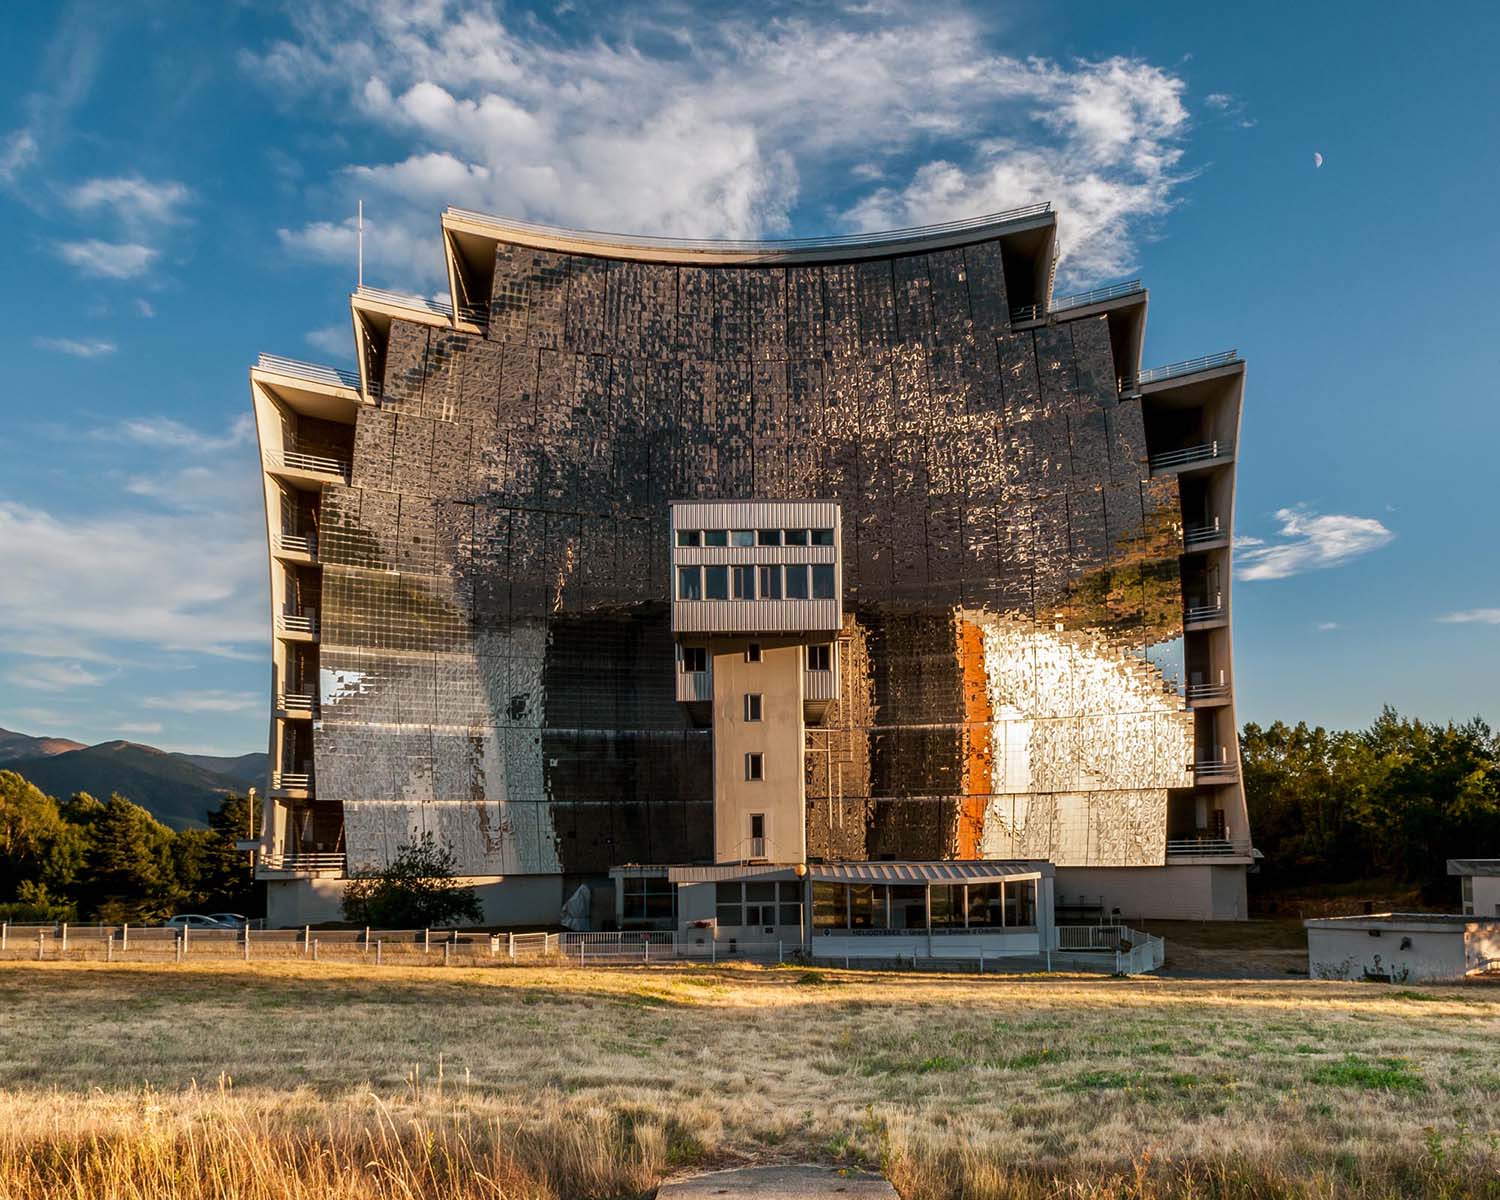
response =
{"points": [[306, 940], [4, 934], [315, 949], [512, 939], [447, 946], [379, 957], [981, 962], [367, 939], [646, 948], [779, 956], [125, 937], [41, 945], [109, 949], [713, 950], [426, 941], [64, 937], [184, 939], [247, 943], [180, 940]]}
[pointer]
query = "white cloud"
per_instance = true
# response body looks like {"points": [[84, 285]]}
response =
{"points": [[18, 153], [166, 433], [77, 347], [717, 128], [1327, 626], [107, 260], [1308, 541], [207, 702], [135, 202], [144, 308], [55, 676], [175, 581], [140, 727], [1219, 100], [336, 340], [1472, 616]]}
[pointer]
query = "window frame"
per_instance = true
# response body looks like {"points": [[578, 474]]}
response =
{"points": [[754, 707], [683, 575], [755, 766]]}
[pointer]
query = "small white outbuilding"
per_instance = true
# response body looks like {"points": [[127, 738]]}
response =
{"points": [[1479, 885], [1402, 947]]}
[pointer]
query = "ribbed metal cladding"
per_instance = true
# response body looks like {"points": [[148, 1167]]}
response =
{"points": [[923, 872], [755, 616]]}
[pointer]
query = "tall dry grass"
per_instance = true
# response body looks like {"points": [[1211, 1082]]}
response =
{"points": [[327, 1084]]}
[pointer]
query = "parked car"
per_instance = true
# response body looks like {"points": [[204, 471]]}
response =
{"points": [[230, 920], [194, 921]]}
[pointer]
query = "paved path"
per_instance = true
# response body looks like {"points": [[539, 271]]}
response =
{"points": [[780, 1183]]}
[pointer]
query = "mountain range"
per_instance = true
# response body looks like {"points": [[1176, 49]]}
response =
{"points": [[180, 790]]}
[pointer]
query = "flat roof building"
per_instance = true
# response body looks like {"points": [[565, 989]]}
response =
{"points": [[754, 554]]}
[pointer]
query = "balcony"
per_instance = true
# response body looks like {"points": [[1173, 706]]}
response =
{"points": [[1021, 313], [1208, 695], [297, 626], [1208, 847], [292, 466], [1130, 385], [294, 784], [296, 706], [1205, 536], [757, 848], [297, 863], [1183, 458], [310, 372], [1215, 770], [1203, 611], [297, 547]]}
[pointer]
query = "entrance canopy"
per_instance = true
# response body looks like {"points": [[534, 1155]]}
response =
{"points": [[963, 871]]}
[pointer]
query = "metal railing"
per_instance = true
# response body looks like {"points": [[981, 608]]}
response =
{"points": [[291, 780], [1186, 455], [315, 464], [773, 245], [314, 372], [1208, 847], [1205, 609], [1208, 691], [474, 314], [298, 543], [1215, 768], [1147, 952], [757, 847], [297, 702], [1089, 937], [298, 861], [294, 622], [1098, 295], [439, 308], [1188, 366], [1197, 535]]}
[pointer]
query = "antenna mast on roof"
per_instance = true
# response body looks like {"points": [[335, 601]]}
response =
{"points": [[359, 223]]}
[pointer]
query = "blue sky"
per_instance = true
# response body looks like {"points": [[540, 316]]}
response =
{"points": [[177, 183]]}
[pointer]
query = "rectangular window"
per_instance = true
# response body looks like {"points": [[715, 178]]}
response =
{"points": [[948, 906], [752, 652], [742, 537], [1020, 903], [727, 906], [822, 537], [716, 537], [986, 908], [768, 537], [760, 904], [791, 903], [795, 537], [867, 907], [755, 767], [752, 707], [822, 581], [716, 583], [830, 906], [689, 583], [758, 825], [819, 658], [689, 537], [796, 581], [743, 579], [909, 907], [694, 658], [770, 583], [647, 898]]}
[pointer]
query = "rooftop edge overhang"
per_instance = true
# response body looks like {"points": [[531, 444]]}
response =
{"points": [[309, 389]]}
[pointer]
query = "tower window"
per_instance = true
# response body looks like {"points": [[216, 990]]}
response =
{"points": [[796, 581], [768, 537], [689, 583], [822, 537], [822, 581], [755, 767], [742, 537], [752, 706], [752, 652], [743, 579], [689, 537], [716, 583], [770, 583], [694, 658], [819, 658]]}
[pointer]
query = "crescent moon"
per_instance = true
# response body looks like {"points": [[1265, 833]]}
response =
{"points": [[1317, 160]]}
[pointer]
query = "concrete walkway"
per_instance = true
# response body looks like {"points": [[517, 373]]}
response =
{"points": [[780, 1183]]}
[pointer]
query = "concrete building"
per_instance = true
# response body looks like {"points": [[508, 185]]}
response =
{"points": [[1402, 947], [1479, 885], [646, 555]]}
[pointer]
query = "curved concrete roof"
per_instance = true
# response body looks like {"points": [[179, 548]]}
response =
{"points": [[716, 251]]}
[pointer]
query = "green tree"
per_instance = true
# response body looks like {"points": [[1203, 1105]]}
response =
{"points": [[418, 890], [38, 846], [130, 875], [227, 879]]}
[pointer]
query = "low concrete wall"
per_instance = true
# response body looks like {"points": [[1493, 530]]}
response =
{"points": [[1186, 892], [506, 900], [1401, 950], [898, 945]]}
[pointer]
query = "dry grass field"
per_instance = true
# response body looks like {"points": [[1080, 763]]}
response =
{"points": [[319, 1080]]}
